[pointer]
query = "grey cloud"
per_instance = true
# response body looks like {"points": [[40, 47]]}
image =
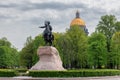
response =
{"points": [[87, 13], [5, 17], [56, 6], [47, 5], [7, 6]]}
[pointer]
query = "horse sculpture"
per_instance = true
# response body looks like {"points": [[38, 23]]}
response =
{"points": [[47, 34]]}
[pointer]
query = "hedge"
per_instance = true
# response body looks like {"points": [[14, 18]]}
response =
{"points": [[74, 73], [21, 70], [7, 73]]}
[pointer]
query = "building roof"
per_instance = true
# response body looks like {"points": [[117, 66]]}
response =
{"points": [[77, 20]]}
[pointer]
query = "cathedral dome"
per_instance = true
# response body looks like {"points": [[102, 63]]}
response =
{"points": [[77, 21]]}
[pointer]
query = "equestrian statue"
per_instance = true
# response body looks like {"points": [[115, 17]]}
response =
{"points": [[47, 34]]}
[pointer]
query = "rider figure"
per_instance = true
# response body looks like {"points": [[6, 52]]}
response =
{"points": [[48, 29]]}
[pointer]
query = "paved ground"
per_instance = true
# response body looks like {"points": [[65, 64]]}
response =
{"points": [[78, 78]]}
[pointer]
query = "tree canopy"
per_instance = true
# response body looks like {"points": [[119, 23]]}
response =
{"points": [[8, 55], [72, 46], [115, 45], [97, 50]]}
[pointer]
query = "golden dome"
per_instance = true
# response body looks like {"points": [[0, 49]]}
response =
{"points": [[77, 21]]}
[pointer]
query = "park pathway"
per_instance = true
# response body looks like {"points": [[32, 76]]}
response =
{"points": [[77, 78]]}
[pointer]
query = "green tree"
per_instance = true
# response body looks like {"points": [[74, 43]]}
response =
{"points": [[64, 49], [117, 26], [5, 42], [107, 27], [8, 54], [15, 58], [3, 60], [116, 50], [38, 41], [72, 46], [27, 53], [97, 50]]}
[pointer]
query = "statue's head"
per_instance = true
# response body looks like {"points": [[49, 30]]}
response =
{"points": [[47, 22]]}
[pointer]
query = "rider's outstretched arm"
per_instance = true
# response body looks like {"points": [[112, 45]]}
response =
{"points": [[42, 27]]}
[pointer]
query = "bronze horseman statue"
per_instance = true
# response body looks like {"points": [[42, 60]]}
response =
{"points": [[47, 34]]}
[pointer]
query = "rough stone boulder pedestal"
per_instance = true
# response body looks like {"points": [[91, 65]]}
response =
{"points": [[49, 59]]}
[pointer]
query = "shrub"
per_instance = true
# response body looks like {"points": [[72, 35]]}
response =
{"points": [[74, 73], [21, 70], [7, 73]]}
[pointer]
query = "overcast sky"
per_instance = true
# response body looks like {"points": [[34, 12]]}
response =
{"points": [[20, 19]]}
